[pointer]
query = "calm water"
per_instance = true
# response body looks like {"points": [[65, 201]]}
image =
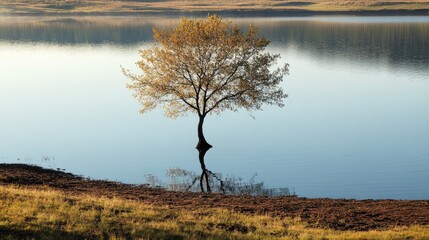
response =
{"points": [[355, 125]]}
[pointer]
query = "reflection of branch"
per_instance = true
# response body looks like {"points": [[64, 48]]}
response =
{"points": [[192, 184], [217, 178], [227, 185]]}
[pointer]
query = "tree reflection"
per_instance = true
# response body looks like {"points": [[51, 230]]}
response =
{"points": [[183, 180]]}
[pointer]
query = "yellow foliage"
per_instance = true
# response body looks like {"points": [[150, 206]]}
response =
{"points": [[207, 66]]}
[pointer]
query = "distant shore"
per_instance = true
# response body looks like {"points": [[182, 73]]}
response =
{"points": [[237, 13], [239, 8]]}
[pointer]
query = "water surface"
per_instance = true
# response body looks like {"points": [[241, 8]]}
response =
{"points": [[355, 124]]}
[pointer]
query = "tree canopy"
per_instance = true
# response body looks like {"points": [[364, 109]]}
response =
{"points": [[207, 66]]}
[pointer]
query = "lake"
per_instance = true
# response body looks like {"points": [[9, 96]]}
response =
{"points": [[355, 124]]}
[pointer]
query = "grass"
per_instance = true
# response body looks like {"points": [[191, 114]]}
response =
{"points": [[156, 6], [49, 214]]}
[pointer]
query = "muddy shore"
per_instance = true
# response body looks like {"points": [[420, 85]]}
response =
{"points": [[340, 214]]}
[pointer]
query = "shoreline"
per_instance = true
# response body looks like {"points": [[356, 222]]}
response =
{"points": [[231, 13], [338, 214]]}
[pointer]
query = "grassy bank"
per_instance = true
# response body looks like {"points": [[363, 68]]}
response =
{"points": [[259, 7], [50, 214], [336, 214]]}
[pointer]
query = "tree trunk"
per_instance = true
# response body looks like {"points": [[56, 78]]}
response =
{"points": [[203, 146]]}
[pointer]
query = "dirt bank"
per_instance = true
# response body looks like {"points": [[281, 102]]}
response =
{"points": [[341, 214]]}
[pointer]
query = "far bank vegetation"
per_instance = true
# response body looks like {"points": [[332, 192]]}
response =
{"points": [[158, 6]]}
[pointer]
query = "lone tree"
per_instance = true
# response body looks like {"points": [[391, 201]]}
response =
{"points": [[207, 66]]}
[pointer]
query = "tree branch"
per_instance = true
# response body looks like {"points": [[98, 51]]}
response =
{"points": [[228, 97]]}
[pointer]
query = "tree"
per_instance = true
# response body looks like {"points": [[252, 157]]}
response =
{"points": [[207, 66]]}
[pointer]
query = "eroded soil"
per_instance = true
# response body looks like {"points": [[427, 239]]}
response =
{"points": [[340, 214]]}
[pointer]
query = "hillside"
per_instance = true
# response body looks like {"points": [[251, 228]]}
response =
{"points": [[237, 7]]}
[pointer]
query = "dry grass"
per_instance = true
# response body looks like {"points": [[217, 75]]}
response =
{"points": [[50, 214], [136, 6]]}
